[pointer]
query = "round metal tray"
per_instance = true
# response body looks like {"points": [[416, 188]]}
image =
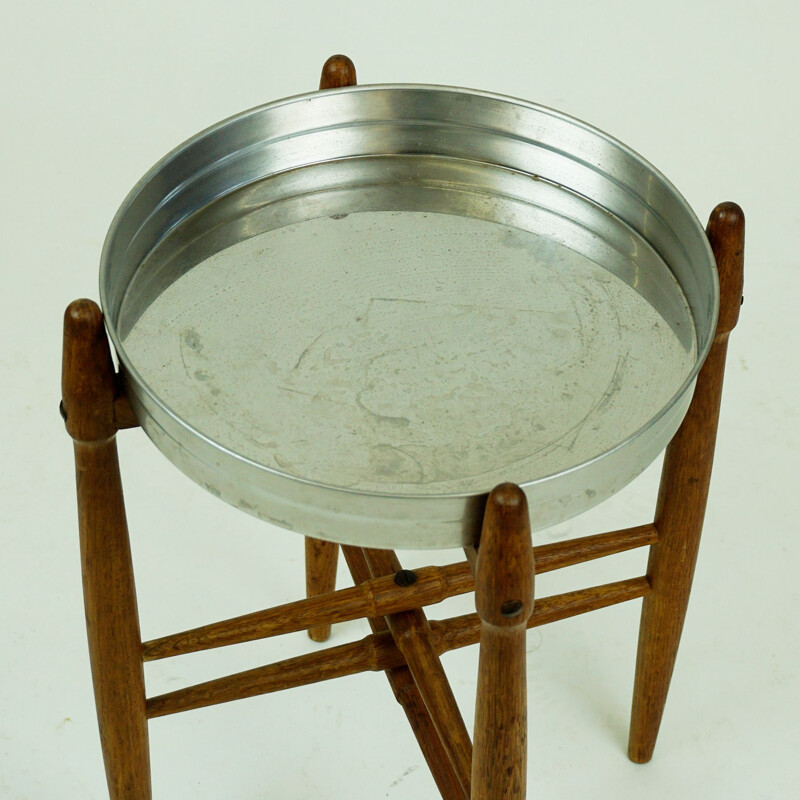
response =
{"points": [[352, 313]]}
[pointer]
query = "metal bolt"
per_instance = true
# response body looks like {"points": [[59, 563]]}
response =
{"points": [[511, 608], [405, 577]]}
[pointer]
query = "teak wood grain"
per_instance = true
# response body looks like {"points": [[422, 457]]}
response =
{"points": [[412, 634], [682, 498], [88, 392], [463, 631], [504, 598], [377, 597], [337, 71], [321, 562], [379, 652], [408, 696], [322, 557]]}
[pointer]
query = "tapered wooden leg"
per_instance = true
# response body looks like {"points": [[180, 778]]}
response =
{"points": [[321, 556], [412, 634], [504, 599], [88, 387], [682, 501], [407, 694], [321, 561]]}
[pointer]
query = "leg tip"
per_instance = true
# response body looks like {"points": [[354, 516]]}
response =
{"points": [[640, 753], [83, 314], [320, 634], [337, 71], [728, 213], [507, 495], [726, 236]]}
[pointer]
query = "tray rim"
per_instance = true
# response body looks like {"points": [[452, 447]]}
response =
{"points": [[129, 370]]}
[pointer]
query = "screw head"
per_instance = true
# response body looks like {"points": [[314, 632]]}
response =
{"points": [[511, 608], [405, 577]]}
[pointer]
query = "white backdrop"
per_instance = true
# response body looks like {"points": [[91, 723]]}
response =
{"points": [[92, 95]]}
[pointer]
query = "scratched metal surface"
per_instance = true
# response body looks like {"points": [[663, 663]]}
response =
{"points": [[353, 313], [410, 353]]}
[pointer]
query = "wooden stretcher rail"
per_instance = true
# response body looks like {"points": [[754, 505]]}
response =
{"points": [[381, 596], [378, 651]]}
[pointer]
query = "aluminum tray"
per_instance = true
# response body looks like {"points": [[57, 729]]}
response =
{"points": [[354, 312]]}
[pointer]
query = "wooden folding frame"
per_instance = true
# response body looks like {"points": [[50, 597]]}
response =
{"points": [[403, 642]]}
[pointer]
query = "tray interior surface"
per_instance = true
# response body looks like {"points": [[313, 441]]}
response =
{"points": [[424, 341]]}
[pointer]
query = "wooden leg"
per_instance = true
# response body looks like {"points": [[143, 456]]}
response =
{"points": [[407, 694], [112, 622], [682, 501], [321, 562], [337, 71], [412, 634], [322, 557], [504, 598]]}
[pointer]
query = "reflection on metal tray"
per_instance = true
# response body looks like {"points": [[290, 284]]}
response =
{"points": [[353, 313]]}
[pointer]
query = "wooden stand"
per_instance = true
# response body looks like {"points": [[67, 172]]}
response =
{"points": [[321, 556], [403, 643]]}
